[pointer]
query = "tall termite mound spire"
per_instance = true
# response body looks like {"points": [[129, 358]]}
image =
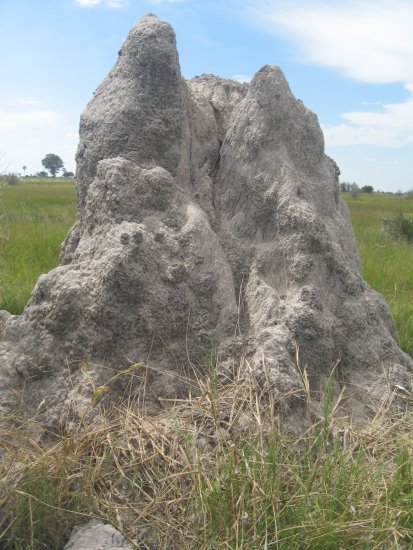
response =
{"points": [[209, 218]]}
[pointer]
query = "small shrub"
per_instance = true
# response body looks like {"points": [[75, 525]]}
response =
{"points": [[11, 179], [399, 227], [8, 179]]}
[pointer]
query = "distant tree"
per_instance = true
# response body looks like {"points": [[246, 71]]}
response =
{"points": [[68, 174], [348, 187], [345, 187], [24, 170], [367, 189], [42, 174], [53, 164]]}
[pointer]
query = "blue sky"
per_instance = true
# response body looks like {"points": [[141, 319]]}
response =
{"points": [[349, 61]]}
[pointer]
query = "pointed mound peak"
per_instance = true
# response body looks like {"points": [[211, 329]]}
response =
{"points": [[136, 111], [149, 33], [270, 81]]}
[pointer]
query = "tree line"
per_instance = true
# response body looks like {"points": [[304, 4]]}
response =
{"points": [[354, 189], [52, 163]]}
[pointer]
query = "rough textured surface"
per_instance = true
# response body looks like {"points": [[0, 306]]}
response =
{"points": [[96, 536], [209, 217]]}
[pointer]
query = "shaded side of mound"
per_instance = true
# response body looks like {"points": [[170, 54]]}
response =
{"points": [[209, 219]]}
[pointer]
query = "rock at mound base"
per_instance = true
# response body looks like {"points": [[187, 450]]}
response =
{"points": [[96, 536]]}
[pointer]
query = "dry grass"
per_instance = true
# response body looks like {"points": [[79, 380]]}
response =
{"points": [[212, 471]]}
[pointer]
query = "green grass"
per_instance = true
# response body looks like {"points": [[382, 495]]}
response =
{"points": [[43, 510], [387, 264], [327, 498], [35, 216]]}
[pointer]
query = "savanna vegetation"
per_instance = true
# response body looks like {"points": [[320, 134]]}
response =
{"points": [[214, 471], [35, 216], [387, 259]]}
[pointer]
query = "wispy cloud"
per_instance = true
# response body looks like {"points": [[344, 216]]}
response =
{"points": [[371, 103], [20, 119], [87, 3], [167, 1], [365, 40], [392, 127], [368, 40], [26, 101], [113, 4], [116, 4]]}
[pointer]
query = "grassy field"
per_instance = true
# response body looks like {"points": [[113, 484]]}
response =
{"points": [[387, 265], [35, 216], [215, 471]]}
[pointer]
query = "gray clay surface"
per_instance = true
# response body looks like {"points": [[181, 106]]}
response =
{"points": [[209, 216]]}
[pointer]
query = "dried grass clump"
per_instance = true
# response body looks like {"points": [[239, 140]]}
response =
{"points": [[213, 471], [399, 227]]}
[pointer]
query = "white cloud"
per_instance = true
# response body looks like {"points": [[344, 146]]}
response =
{"points": [[392, 127], [167, 1], [21, 119], [26, 101], [371, 102], [88, 3], [366, 40], [241, 78], [113, 4]]}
